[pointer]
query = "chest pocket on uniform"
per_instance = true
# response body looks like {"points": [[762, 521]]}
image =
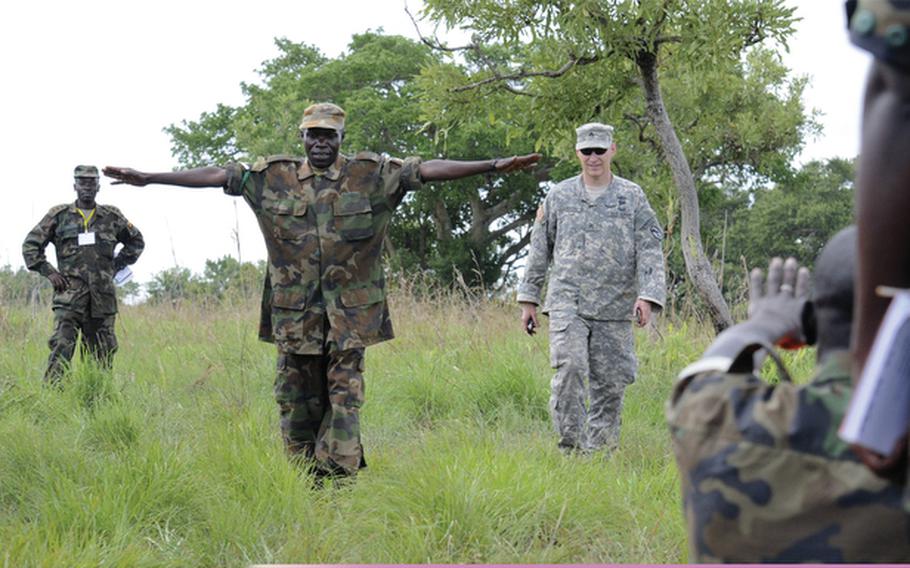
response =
{"points": [[65, 241], [288, 218], [353, 216]]}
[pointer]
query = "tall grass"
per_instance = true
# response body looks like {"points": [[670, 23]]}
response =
{"points": [[174, 459]]}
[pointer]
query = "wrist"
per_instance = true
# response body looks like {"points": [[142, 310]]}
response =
{"points": [[493, 164]]}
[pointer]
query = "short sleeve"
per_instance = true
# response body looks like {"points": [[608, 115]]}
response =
{"points": [[401, 176], [238, 177]]}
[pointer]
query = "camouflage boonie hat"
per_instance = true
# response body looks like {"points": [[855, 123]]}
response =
{"points": [[323, 115], [85, 172], [594, 135]]}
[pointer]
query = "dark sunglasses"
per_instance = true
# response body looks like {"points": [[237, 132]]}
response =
{"points": [[589, 151]]}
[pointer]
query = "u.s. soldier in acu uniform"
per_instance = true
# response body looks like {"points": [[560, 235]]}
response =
{"points": [[85, 235], [599, 237], [324, 217], [765, 477]]}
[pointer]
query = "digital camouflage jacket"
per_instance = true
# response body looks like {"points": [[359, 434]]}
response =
{"points": [[602, 254]]}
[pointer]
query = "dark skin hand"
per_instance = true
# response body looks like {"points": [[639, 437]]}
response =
{"points": [[58, 281]]}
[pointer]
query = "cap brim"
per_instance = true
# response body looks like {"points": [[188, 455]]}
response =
{"points": [[594, 144], [328, 124]]}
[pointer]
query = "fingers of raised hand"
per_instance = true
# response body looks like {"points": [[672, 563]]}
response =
{"points": [[788, 283], [775, 276], [756, 279], [802, 282]]}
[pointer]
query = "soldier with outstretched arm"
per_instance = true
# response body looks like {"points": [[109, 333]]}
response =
{"points": [[324, 217]]}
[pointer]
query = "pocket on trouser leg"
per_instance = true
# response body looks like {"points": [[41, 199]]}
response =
{"points": [[300, 396], [339, 444]]}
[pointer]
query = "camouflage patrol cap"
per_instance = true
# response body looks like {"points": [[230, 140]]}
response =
{"points": [[593, 135], [323, 115], [85, 172]]}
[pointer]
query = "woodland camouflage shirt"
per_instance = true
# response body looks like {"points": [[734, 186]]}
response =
{"points": [[765, 477], [88, 268], [324, 232]]}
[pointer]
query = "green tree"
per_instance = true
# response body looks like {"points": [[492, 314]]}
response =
{"points": [[545, 66], [476, 227], [174, 285], [228, 277], [797, 216]]}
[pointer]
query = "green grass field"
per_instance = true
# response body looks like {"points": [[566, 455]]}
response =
{"points": [[175, 459]]}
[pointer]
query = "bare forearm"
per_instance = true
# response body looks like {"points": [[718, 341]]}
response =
{"points": [[198, 177], [442, 170]]}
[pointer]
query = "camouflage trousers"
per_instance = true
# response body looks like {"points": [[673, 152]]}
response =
{"points": [[595, 362], [319, 399], [98, 339]]}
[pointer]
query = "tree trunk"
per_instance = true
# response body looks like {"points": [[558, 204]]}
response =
{"points": [[697, 265]]}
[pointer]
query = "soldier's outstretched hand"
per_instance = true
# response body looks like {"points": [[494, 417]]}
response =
{"points": [[777, 304], [515, 163], [125, 175]]}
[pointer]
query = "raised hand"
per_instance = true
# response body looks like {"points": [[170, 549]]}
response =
{"points": [[515, 163], [778, 302], [125, 175]]}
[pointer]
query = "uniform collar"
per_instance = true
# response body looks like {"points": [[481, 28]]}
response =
{"points": [[583, 192], [306, 171], [73, 208]]}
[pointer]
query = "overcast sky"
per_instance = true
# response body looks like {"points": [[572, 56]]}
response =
{"points": [[95, 82]]}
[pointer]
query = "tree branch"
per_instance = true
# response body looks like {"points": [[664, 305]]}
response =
{"points": [[573, 62]]}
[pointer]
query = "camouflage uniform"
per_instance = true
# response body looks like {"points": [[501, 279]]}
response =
{"points": [[766, 479], [324, 299], [605, 253], [89, 303], [883, 28]]}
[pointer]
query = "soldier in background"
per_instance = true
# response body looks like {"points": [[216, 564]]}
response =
{"points": [[324, 218], [882, 27], [764, 476], [85, 236], [599, 236]]}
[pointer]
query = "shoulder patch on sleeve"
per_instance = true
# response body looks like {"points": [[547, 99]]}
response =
{"points": [[541, 213], [366, 155], [656, 232]]}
